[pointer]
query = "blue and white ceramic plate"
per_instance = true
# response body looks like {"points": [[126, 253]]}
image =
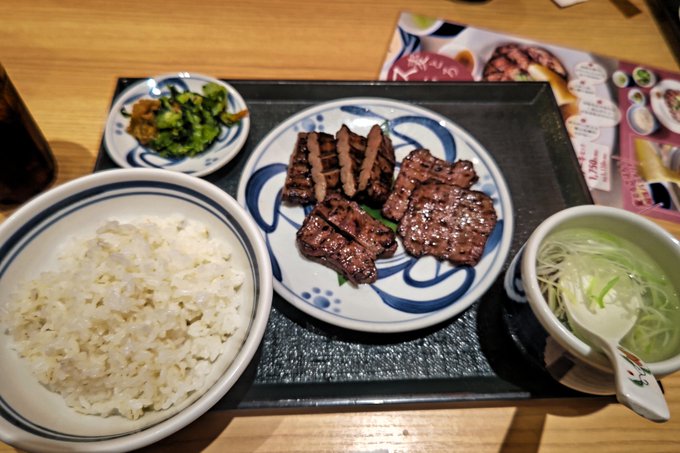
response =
{"points": [[126, 151], [410, 293]]}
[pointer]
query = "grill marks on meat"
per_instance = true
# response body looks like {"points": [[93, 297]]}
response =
{"points": [[340, 235], [377, 168], [431, 200], [351, 149], [437, 213], [448, 222], [419, 167], [355, 223], [299, 187], [323, 158], [547, 59], [360, 167], [510, 62], [319, 241]]}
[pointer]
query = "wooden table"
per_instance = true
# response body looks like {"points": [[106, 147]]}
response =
{"points": [[64, 57]]}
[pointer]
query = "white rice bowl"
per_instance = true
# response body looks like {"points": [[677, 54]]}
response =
{"points": [[35, 418]]}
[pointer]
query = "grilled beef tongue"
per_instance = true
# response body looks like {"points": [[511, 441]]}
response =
{"points": [[321, 242], [353, 222], [351, 150], [299, 187], [448, 222], [323, 158], [419, 167], [342, 236], [377, 168]]}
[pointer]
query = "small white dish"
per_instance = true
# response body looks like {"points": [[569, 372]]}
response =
{"points": [[637, 97], [418, 25], [126, 151], [641, 120], [661, 108], [644, 77], [35, 419], [410, 293], [620, 79]]}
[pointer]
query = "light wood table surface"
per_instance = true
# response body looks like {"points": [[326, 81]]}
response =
{"points": [[64, 57]]}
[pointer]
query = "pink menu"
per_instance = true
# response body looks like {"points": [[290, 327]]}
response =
{"points": [[623, 119]]}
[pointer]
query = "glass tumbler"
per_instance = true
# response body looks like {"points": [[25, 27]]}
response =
{"points": [[27, 165]]}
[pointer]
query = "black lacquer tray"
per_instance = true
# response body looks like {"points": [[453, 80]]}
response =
{"points": [[469, 359]]}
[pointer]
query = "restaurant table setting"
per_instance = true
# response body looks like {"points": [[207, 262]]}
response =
{"points": [[319, 348]]}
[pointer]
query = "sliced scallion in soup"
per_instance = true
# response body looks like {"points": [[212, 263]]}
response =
{"points": [[617, 266]]}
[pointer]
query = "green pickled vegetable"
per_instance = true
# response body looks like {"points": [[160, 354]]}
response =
{"points": [[182, 124]]}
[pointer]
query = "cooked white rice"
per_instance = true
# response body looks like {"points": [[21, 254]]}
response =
{"points": [[133, 318]]}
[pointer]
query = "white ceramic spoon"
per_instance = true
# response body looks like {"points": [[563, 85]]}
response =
{"points": [[603, 328]]}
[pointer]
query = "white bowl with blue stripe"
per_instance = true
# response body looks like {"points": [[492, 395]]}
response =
{"points": [[127, 152], [33, 418]]}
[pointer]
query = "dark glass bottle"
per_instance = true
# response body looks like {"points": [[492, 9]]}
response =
{"points": [[27, 165]]}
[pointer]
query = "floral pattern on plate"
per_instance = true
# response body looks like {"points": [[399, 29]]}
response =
{"points": [[410, 293], [126, 151]]}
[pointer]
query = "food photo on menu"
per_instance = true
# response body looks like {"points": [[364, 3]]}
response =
{"points": [[623, 119]]}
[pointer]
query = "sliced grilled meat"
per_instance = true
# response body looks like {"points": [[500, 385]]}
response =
{"points": [[547, 59], [517, 55], [299, 187], [323, 158], [419, 167], [354, 223], [377, 168], [448, 222], [342, 236], [672, 99], [510, 62], [319, 241], [361, 167], [351, 149]]}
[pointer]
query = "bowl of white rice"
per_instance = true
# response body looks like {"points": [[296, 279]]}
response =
{"points": [[131, 301]]}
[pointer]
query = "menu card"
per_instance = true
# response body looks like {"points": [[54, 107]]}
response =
{"points": [[623, 118]]}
